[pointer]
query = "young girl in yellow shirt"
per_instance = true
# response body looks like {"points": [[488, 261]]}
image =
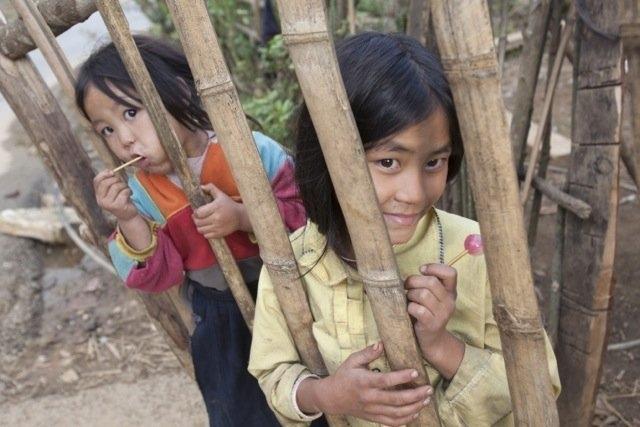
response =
{"points": [[404, 111]]}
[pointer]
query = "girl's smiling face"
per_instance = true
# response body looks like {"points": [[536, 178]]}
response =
{"points": [[409, 172], [129, 132]]}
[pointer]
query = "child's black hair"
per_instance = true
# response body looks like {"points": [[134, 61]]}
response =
{"points": [[392, 83], [169, 71]]}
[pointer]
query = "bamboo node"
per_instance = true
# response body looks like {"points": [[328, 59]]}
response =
{"points": [[481, 66], [210, 88], [513, 325], [293, 38], [281, 265]]}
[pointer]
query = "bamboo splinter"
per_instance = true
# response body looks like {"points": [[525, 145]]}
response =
{"points": [[129, 163]]}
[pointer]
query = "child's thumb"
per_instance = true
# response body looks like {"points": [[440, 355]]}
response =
{"points": [[365, 356], [211, 189]]}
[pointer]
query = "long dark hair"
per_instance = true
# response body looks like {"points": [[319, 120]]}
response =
{"points": [[393, 83], [169, 71]]}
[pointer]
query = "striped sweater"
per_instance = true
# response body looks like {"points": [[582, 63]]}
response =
{"points": [[177, 248]]}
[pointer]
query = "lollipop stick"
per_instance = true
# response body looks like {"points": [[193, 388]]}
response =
{"points": [[124, 165], [457, 257]]}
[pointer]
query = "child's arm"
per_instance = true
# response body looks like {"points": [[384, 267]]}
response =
{"points": [[222, 216], [432, 301], [477, 392], [144, 256], [356, 391], [352, 390], [113, 195]]}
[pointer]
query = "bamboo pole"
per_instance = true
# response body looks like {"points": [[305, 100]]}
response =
{"points": [[556, 277], [222, 104], [546, 108], [534, 37], [589, 246], [310, 46], [463, 32], [118, 27], [351, 15], [60, 15], [418, 20], [46, 42], [555, 25], [41, 116], [502, 41]]}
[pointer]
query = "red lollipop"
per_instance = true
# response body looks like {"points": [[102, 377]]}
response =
{"points": [[472, 245]]}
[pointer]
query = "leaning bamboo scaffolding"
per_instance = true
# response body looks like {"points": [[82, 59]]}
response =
{"points": [[310, 46], [60, 15], [546, 108], [45, 123], [469, 59], [555, 31], [118, 27], [418, 20], [46, 42], [222, 104], [528, 71], [589, 245], [630, 33]]}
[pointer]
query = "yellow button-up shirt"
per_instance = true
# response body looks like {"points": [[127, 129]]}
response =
{"points": [[477, 395]]}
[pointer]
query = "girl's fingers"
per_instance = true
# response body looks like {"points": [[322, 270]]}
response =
{"points": [[205, 210], [114, 190], [391, 379], [123, 196], [422, 296], [390, 421], [421, 313], [400, 398], [447, 275], [396, 412], [362, 358]]}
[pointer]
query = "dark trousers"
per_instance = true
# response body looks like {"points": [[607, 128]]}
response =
{"points": [[220, 347]]}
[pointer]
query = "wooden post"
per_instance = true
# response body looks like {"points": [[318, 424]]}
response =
{"points": [[46, 42], [221, 101], [593, 176], [502, 41], [118, 27], [465, 41], [534, 37], [41, 116], [60, 15], [630, 32], [304, 27]]}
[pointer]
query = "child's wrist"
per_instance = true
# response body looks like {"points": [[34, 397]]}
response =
{"points": [[442, 353], [311, 396]]}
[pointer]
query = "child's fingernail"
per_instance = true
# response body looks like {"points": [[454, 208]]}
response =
{"points": [[426, 401], [416, 415], [376, 346], [423, 269], [429, 390], [414, 374]]}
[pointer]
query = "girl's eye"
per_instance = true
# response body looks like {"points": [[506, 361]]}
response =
{"points": [[130, 113], [435, 164], [389, 163], [106, 131]]}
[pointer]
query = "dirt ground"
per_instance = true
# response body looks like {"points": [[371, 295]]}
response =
{"points": [[76, 349]]}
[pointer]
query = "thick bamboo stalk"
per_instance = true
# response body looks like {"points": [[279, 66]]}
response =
{"points": [[310, 46], [222, 104], [534, 38], [41, 116], [630, 32], [555, 25], [351, 15], [463, 32], [546, 108], [589, 246], [118, 27], [60, 15], [46, 42]]}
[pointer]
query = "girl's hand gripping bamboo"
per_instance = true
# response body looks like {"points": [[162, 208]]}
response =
{"points": [[472, 245]]}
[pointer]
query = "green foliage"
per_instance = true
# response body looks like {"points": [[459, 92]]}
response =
{"points": [[263, 75]]}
